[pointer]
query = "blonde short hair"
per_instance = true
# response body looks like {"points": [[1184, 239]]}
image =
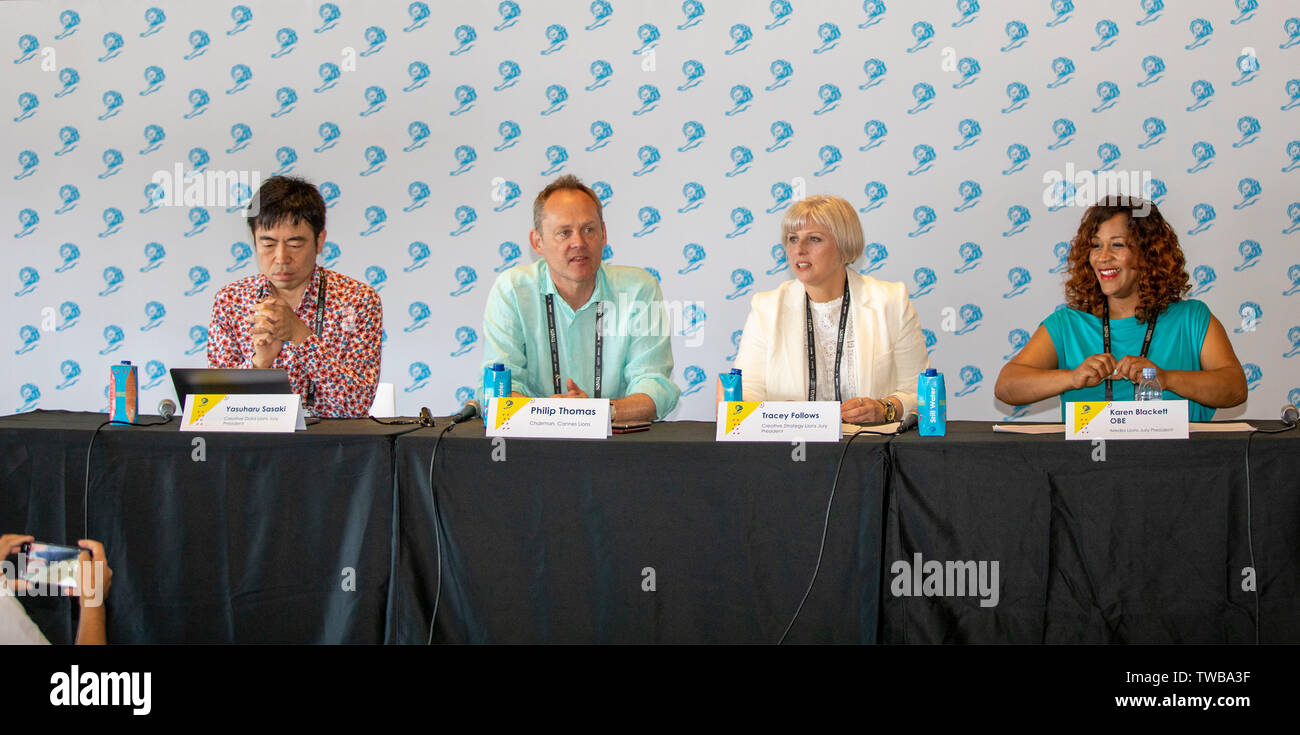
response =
{"points": [[831, 213]]}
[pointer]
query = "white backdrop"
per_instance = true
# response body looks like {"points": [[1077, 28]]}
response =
{"points": [[431, 127]]}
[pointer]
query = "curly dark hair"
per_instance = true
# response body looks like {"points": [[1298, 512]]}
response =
{"points": [[1157, 257]]}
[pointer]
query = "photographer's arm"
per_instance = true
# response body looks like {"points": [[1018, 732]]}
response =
{"points": [[92, 587]]}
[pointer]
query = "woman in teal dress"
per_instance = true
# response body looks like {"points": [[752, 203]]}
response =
{"points": [[1128, 272]]}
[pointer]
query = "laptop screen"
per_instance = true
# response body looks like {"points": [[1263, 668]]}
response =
{"points": [[224, 380]]}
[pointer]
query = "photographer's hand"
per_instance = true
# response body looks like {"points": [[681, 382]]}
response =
{"points": [[10, 544], [93, 580]]}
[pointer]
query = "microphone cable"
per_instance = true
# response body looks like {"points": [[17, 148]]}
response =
{"points": [[1250, 541], [467, 412], [421, 422], [904, 425], [85, 495], [437, 530]]}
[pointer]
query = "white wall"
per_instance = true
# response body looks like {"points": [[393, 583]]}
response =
{"points": [[729, 260]]}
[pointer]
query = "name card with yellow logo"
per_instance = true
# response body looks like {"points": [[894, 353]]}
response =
{"points": [[254, 413], [548, 418], [778, 421], [1126, 420]]}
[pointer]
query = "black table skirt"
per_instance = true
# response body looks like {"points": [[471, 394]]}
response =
{"points": [[556, 543], [273, 538], [1149, 545], [327, 536]]}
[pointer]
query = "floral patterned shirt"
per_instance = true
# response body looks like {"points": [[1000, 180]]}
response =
{"points": [[342, 362]]}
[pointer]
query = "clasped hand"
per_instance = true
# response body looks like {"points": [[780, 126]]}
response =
{"points": [[273, 323], [1104, 366]]}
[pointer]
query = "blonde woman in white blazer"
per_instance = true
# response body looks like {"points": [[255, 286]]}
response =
{"points": [[882, 350]]}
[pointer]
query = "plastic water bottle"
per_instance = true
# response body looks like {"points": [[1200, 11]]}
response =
{"points": [[1149, 389]]}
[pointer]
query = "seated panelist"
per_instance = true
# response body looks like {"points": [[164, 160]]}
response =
{"points": [[320, 326], [1126, 312], [832, 334], [562, 322]]}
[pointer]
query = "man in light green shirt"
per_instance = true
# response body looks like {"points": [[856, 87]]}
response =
{"points": [[635, 355]]}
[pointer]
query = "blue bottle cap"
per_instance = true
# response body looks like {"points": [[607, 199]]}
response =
{"points": [[735, 371], [1148, 373], [931, 372], [498, 366], [126, 362]]}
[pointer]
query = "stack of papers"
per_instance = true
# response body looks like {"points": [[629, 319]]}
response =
{"points": [[1030, 428], [1060, 428], [851, 429]]}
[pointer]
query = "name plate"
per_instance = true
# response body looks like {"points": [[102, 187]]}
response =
{"points": [[270, 413], [1126, 420], [548, 418], [779, 421]]}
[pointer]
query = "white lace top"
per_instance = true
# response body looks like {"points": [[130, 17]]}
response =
{"points": [[826, 327]]}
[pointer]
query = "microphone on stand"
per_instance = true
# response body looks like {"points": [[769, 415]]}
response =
{"points": [[167, 409], [1289, 415], [908, 422], [466, 412]]}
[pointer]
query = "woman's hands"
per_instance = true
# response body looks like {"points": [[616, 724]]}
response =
{"points": [[1093, 370], [1130, 368], [1103, 366], [862, 410]]}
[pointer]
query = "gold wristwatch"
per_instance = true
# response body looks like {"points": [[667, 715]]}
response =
{"points": [[891, 413]]}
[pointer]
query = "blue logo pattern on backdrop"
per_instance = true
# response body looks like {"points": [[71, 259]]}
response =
{"points": [[709, 121]]}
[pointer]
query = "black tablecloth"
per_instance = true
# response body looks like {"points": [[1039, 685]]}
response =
{"points": [[1150, 544], [328, 535], [274, 537], [555, 543]]}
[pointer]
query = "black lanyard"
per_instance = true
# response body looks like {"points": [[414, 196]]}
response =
{"points": [[812, 342], [555, 350], [320, 326], [1105, 337]]}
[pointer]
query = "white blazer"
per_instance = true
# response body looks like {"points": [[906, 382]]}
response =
{"points": [[773, 358]]}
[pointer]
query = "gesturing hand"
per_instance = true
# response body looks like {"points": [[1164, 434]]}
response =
{"points": [[574, 391]]}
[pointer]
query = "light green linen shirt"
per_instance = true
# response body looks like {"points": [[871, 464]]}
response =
{"points": [[638, 353]]}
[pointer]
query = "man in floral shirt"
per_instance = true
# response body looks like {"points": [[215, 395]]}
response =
{"points": [[320, 326]]}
